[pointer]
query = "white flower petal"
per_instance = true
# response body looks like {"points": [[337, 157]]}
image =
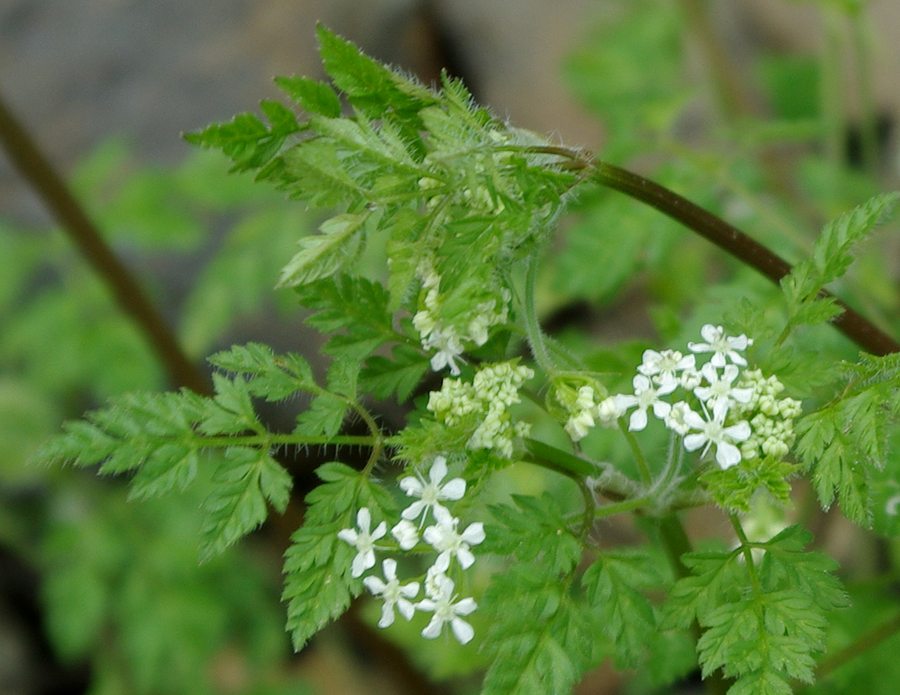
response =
{"points": [[463, 631], [410, 590], [387, 615], [638, 420], [433, 629], [454, 489], [465, 606], [363, 519], [414, 510], [348, 535], [411, 486], [375, 585], [692, 442], [361, 563], [474, 533], [727, 455], [438, 470], [465, 557], [738, 432], [407, 610]]}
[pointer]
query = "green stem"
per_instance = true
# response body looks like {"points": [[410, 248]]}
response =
{"points": [[558, 460], [635, 447], [530, 318], [622, 507], [377, 438], [284, 440], [747, 551]]}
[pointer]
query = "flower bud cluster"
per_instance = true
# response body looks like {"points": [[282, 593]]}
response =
{"points": [[448, 337], [453, 547], [581, 406], [494, 389], [771, 418], [712, 405]]}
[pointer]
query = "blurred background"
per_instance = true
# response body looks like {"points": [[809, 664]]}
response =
{"points": [[777, 114]]}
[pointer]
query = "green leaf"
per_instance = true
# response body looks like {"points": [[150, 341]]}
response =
{"points": [[324, 416], [244, 481], [324, 254], [541, 640], [733, 488], [535, 530], [371, 87], [231, 410], [398, 375], [764, 627], [312, 96], [612, 585], [846, 442], [356, 307], [270, 376], [831, 257], [245, 139], [318, 586]]}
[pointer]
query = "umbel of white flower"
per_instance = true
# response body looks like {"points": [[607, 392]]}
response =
{"points": [[444, 538], [717, 409]]}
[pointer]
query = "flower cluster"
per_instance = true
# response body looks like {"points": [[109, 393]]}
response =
{"points": [[487, 399], [448, 338], [444, 537], [712, 405]]}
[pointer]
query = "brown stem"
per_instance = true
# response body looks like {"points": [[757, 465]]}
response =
{"points": [[37, 170], [732, 240]]}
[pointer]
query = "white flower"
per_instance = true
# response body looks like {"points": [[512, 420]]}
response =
{"points": [[579, 425], [713, 431], [363, 540], [449, 348], [446, 611], [721, 345], [645, 396], [720, 393], [610, 409], [676, 420], [444, 538], [433, 578], [431, 492], [407, 534], [392, 593], [662, 366]]}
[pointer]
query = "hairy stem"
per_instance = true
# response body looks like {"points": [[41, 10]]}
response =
{"points": [[532, 327], [46, 182], [735, 242], [636, 452], [724, 235]]}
